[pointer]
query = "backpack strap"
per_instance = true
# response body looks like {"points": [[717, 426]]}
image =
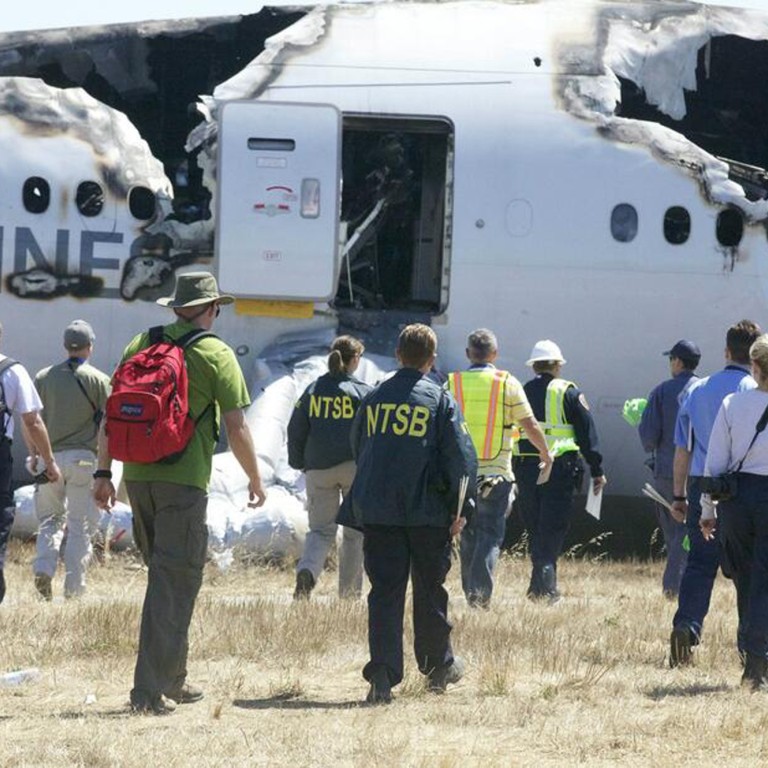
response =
{"points": [[185, 342], [5, 411], [192, 337], [156, 334]]}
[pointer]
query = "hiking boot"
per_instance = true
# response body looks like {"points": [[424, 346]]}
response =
{"points": [[43, 586], [187, 694], [439, 679], [755, 675], [380, 691], [2, 585], [680, 647], [305, 583], [160, 705]]}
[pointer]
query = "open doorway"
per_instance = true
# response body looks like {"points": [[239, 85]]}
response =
{"points": [[396, 206]]}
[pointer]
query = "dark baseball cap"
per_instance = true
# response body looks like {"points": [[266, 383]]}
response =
{"points": [[685, 350]]}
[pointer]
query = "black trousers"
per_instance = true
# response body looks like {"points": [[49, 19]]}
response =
{"points": [[7, 508], [546, 510], [391, 553]]}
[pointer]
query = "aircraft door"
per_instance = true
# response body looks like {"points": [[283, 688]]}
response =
{"points": [[278, 200]]}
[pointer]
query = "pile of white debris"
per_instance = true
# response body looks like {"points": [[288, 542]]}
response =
{"points": [[278, 529]]}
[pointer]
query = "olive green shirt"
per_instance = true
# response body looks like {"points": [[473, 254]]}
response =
{"points": [[215, 379], [72, 421]]}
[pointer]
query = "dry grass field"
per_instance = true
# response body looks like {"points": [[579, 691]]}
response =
{"points": [[582, 682]]}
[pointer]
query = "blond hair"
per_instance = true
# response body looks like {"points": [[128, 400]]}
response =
{"points": [[344, 350], [416, 345], [758, 354]]}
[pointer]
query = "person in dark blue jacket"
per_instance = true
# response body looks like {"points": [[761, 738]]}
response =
{"points": [[318, 443], [413, 451], [657, 434]]}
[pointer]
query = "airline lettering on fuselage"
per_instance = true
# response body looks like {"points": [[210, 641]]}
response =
{"points": [[326, 407], [26, 245], [37, 274], [397, 419]]}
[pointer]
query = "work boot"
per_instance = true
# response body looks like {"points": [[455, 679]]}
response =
{"points": [[187, 694], [160, 705], [680, 647], [439, 679], [755, 675], [2, 585], [380, 691], [305, 583], [43, 586]]}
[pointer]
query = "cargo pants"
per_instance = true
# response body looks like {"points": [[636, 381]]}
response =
{"points": [[170, 531], [69, 500], [325, 488]]}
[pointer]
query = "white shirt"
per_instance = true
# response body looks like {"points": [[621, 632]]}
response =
{"points": [[19, 393], [729, 441]]}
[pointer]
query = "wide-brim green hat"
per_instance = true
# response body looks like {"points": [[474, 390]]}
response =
{"points": [[193, 289]]}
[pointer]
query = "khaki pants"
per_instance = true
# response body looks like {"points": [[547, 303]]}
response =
{"points": [[170, 531], [68, 501], [325, 489]]}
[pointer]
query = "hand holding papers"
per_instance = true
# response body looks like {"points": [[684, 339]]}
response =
{"points": [[545, 470], [459, 522], [594, 501]]}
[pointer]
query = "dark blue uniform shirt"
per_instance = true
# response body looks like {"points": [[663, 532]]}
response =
{"points": [[318, 432], [576, 413], [412, 449], [657, 425]]}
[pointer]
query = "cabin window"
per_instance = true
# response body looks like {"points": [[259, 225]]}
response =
{"points": [[624, 223], [730, 227], [396, 205], [89, 198], [677, 225], [36, 194], [141, 202]]}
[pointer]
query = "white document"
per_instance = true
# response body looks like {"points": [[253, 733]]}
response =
{"points": [[594, 502]]}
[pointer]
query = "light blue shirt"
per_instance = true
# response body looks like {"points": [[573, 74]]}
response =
{"points": [[699, 409]]}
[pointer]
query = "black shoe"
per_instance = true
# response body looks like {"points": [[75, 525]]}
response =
{"points": [[380, 691], [680, 647], [439, 679], [43, 585], [187, 694], [160, 705], [305, 583], [755, 675], [2, 585]]}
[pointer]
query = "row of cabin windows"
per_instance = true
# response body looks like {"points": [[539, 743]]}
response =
{"points": [[89, 198], [677, 225]]}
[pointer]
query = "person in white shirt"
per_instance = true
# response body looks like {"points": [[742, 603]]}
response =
{"points": [[738, 444], [18, 396]]}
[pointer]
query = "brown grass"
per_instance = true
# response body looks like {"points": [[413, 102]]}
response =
{"points": [[583, 682]]}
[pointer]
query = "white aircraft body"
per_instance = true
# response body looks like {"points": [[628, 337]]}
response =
{"points": [[493, 175]]}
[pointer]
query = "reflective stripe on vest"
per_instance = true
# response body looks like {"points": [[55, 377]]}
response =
{"points": [[480, 395], [559, 434]]}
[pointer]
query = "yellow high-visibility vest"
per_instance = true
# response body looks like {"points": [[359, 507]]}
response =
{"points": [[480, 395], [559, 434]]}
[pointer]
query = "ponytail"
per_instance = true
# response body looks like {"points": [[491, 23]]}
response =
{"points": [[344, 350]]}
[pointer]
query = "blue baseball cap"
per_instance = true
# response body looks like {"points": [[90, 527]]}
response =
{"points": [[685, 350]]}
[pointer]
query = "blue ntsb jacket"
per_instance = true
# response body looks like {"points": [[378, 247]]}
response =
{"points": [[412, 449], [318, 432]]}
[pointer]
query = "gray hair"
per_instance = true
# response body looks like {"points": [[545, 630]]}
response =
{"points": [[482, 344]]}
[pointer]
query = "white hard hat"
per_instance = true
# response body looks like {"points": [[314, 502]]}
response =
{"points": [[545, 350]]}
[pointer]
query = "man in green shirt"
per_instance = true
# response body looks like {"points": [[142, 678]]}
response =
{"points": [[169, 500], [74, 395]]}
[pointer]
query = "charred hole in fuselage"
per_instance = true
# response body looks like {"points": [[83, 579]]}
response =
{"points": [[394, 205], [155, 79], [727, 114]]}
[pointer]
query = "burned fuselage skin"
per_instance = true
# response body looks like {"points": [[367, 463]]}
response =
{"points": [[499, 171]]}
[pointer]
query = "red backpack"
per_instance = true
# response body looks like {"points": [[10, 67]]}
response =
{"points": [[148, 415]]}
